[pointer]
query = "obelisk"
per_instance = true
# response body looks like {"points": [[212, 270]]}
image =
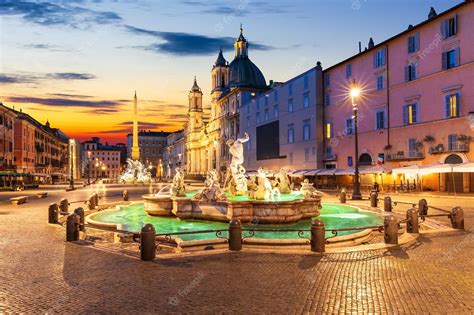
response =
{"points": [[135, 148]]}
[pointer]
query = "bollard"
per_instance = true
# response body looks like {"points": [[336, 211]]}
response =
{"points": [[91, 202], [125, 195], [80, 213], [423, 207], [457, 218], [412, 221], [343, 196], [72, 227], [53, 213], [374, 199], [390, 230], [387, 204], [235, 235], [318, 237], [96, 199], [64, 206], [148, 242]]}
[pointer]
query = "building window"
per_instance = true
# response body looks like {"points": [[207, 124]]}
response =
{"points": [[412, 148], [451, 59], [413, 43], [305, 101], [290, 106], [410, 114], [290, 89], [380, 119], [411, 72], [266, 100], [349, 126], [452, 142], [327, 79], [449, 27], [379, 58], [257, 119], [306, 155], [306, 130], [452, 105], [327, 99], [258, 104], [348, 71], [291, 133], [248, 121], [275, 111], [265, 115], [380, 82], [306, 82], [275, 96], [329, 130]]}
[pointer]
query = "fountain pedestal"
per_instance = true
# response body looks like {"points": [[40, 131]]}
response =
{"points": [[160, 205]]}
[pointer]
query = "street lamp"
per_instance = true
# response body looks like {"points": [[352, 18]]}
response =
{"points": [[355, 94], [88, 167]]}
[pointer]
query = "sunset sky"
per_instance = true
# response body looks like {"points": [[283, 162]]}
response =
{"points": [[77, 63]]}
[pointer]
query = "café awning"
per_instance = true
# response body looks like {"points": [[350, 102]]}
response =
{"points": [[377, 169], [313, 172], [436, 169], [349, 171], [464, 168], [407, 170]]}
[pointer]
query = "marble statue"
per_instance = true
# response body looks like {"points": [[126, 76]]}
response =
{"points": [[282, 181], [265, 191], [177, 187], [212, 190], [236, 182], [135, 172], [308, 191]]}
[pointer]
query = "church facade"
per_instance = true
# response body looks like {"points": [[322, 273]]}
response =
{"points": [[233, 84]]}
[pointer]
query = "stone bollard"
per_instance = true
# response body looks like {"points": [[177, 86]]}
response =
{"points": [[148, 242], [91, 202], [81, 214], [457, 218], [374, 199], [53, 213], [387, 204], [125, 195], [64, 206], [412, 221], [423, 207], [235, 235], [318, 236], [343, 196], [72, 227], [390, 230]]}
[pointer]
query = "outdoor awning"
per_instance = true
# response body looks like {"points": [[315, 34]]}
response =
{"points": [[327, 172], [463, 168], [435, 169], [407, 170], [349, 171], [298, 173], [374, 170], [313, 172]]}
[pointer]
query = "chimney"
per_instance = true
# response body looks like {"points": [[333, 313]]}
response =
{"points": [[432, 14], [371, 43], [360, 47], [410, 26]]}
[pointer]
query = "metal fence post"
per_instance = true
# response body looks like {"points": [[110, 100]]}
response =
{"points": [[423, 207], [148, 242], [374, 199], [457, 218], [64, 206], [80, 213], [125, 195], [318, 236], [390, 230], [343, 196], [235, 235], [412, 221], [387, 204], [72, 227], [53, 213]]}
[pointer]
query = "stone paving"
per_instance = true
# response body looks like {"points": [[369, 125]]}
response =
{"points": [[40, 273]]}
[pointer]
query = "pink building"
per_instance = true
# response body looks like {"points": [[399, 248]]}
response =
{"points": [[416, 107]]}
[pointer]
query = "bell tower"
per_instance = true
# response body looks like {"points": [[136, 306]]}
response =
{"points": [[241, 45], [195, 107]]}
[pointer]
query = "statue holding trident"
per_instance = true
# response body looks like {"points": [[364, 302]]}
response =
{"points": [[236, 182]]}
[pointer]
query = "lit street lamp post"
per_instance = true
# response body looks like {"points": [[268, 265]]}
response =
{"points": [[355, 93], [88, 167]]}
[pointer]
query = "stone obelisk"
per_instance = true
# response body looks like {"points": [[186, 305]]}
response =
{"points": [[135, 148]]}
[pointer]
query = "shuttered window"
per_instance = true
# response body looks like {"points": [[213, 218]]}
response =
{"points": [[452, 105], [413, 43]]}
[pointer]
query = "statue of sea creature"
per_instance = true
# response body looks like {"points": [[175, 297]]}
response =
{"points": [[177, 187], [282, 181], [212, 190], [265, 191], [135, 172], [308, 191]]}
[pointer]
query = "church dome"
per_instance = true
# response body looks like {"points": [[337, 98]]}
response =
{"points": [[243, 72]]}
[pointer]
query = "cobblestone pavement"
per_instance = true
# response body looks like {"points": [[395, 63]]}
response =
{"points": [[40, 273]]}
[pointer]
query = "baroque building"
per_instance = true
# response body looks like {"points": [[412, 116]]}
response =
{"points": [[233, 84]]}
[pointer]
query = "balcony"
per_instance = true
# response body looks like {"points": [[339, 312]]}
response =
{"points": [[454, 147], [400, 156], [329, 157]]}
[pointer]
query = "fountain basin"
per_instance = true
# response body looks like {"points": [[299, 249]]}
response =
{"points": [[159, 205]]}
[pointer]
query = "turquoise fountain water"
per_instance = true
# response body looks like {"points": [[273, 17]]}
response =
{"points": [[132, 218]]}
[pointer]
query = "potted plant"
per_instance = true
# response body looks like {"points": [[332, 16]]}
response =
{"points": [[429, 139], [387, 147]]}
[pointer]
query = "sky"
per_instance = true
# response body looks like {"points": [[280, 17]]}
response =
{"points": [[77, 63]]}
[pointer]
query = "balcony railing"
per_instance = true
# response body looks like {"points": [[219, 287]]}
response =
{"points": [[455, 147], [400, 155]]}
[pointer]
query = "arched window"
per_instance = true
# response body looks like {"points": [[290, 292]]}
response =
{"points": [[453, 159], [365, 159]]}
